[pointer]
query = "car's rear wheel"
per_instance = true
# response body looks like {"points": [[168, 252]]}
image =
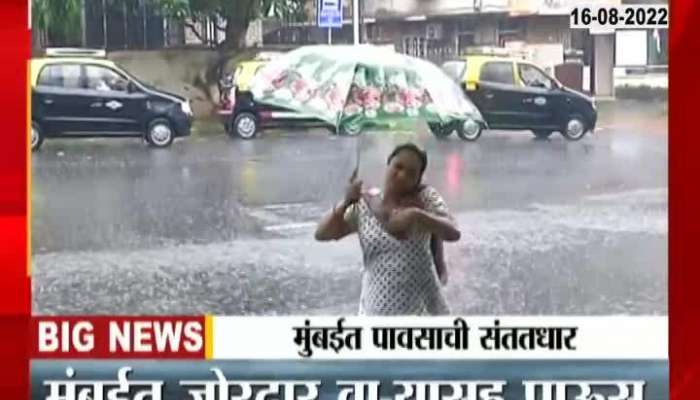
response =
{"points": [[350, 129], [542, 134], [160, 133], [441, 131], [331, 130], [37, 137], [469, 130], [245, 125], [575, 128]]}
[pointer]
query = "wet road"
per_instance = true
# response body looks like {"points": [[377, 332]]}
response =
{"points": [[214, 225]]}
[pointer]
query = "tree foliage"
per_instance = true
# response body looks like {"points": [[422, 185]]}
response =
{"points": [[58, 19], [234, 15]]}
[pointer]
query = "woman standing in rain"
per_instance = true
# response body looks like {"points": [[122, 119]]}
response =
{"points": [[395, 226]]}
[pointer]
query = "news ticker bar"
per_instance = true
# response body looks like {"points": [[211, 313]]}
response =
{"points": [[352, 379], [365, 338], [460, 337]]}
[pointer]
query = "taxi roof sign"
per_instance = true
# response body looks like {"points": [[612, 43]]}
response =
{"points": [[267, 55], [75, 52], [488, 51]]}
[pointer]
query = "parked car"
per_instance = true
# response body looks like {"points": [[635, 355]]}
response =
{"points": [[516, 94], [79, 93]]}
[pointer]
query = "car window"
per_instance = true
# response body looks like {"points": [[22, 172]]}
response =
{"points": [[60, 75], [454, 69], [105, 79], [534, 77], [497, 72], [131, 77]]}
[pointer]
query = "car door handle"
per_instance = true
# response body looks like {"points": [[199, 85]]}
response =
{"points": [[528, 100], [48, 101], [489, 95], [113, 105], [96, 104]]}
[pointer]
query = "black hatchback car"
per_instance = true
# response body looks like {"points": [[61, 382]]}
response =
{"points": [[513, 94], [247, 117], [80, 94]]}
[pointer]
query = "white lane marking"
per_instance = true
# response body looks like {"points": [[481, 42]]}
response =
{"points": [[287, 206], [290, 226]]}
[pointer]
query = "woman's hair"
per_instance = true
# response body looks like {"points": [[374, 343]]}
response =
{"points": [[422, 155]]}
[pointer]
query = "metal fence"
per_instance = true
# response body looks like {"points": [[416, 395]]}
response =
{"points": [[141, 25], [125, 24]]}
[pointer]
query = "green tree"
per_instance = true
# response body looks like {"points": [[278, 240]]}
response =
{"points": [[235, 15], [59, 19]]}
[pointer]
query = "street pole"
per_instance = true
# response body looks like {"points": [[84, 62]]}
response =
{"points": [[145, 25], [330, 36], [104, 23], [356, 21], [83, 24], [126, 28]]}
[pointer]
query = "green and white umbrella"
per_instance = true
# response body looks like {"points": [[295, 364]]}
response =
{"points": [[351, 87]]}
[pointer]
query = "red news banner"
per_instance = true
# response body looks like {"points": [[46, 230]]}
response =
{"points": [[119, 337]]}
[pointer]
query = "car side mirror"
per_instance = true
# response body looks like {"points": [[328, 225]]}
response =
{"points": [[131, 87]]}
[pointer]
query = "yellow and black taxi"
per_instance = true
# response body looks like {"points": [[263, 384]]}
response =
{"points": [[80, 93], [514, 94], [238, 81], [235, 97], [243, 116]]}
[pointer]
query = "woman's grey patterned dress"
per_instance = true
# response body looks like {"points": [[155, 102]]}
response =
{"points": [[399, 277]]}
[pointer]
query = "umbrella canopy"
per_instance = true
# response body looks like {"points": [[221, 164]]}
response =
{"points": [[361, 85]]}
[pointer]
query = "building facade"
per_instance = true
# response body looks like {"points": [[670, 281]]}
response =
{"points": [[437, 30], [536, 29]]}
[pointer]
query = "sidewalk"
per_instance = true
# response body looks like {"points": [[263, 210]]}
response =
{"points": [[650, 115], [654, 80], [641, 86]]}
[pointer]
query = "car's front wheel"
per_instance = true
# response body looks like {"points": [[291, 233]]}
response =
{"points": [[37, 137], [160, 133], [469, 130], [245, 125], [441, 131], [575, 128]]}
